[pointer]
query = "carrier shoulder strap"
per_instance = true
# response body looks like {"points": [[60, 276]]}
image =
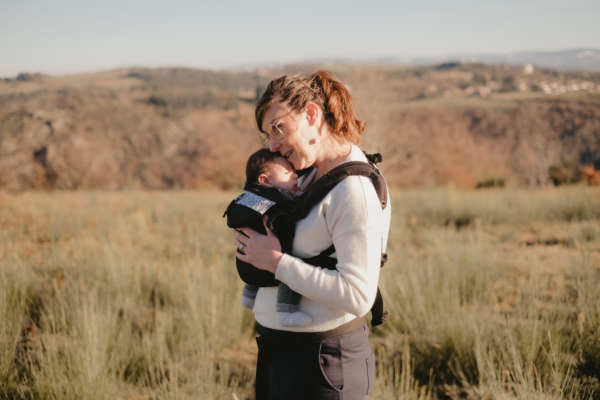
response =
{"points": [[319, 189]]}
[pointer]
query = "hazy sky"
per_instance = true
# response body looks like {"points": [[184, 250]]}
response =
{"points": [[63, 36]]}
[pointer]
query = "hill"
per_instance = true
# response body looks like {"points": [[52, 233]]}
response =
{"points": [[584, 59], [464, 123], [581, 59]]}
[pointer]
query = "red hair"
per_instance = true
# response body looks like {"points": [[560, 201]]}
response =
{"points": [[322, 89]]}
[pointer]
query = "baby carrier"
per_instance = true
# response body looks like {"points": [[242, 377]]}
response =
{"points": [[282, 214]]}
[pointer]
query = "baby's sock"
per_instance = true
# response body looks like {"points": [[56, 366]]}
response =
{"points": [[297, 318]]}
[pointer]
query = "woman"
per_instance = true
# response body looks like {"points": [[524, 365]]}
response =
{"points": [[311, 122]]}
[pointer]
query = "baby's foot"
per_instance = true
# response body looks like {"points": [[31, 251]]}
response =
{"points": [[297, 318], [248, 302]]}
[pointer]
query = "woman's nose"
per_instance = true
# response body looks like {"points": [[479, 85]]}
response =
{"points": [[273, 146]]}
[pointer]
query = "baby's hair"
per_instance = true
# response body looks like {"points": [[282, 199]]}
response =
{"points": [[256, 163]]}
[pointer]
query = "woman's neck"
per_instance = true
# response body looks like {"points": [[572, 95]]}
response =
{"points": [[333, 153]]}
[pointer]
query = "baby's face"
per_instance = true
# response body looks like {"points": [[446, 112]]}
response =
{"points": [[280, 174]]}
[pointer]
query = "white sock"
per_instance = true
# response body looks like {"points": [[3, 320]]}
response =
{"points": [[248, 302], [297, 318]]}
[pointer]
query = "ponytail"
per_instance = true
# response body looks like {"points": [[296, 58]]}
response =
{"points": [[322, 89], [337, 107]]}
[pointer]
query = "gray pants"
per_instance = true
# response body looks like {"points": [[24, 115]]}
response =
{"points": [[291, 368], [287, 300]]}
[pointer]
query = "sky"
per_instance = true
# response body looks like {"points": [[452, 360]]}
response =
{"points": [[69, 36]]}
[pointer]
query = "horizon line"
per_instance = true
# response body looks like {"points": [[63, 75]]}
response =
{"points": [[254, 66]]}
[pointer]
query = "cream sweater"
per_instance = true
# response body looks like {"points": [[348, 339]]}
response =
{"points": [[349, 217]]}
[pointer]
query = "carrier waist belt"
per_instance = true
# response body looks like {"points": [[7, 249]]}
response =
{"points": [[274, 337]]}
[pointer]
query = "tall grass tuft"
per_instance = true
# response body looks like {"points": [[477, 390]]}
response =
{"points": [[477, 323], [132, 294]]}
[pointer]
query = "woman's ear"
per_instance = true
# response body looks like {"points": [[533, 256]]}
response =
{"points": [[312, 113]]}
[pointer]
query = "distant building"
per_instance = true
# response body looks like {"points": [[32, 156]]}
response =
{"points": [[528, 69]]}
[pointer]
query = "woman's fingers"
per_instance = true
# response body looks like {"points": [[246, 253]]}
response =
{"points": [[269, 232], [241, 255], [244, 231], [240, 242], [262, 251], [241, 237]]}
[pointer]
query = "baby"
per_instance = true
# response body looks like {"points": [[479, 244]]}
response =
{"points": [[270, 189]]}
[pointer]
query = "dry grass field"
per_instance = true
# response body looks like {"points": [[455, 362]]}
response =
{"points": [[134, 295]]}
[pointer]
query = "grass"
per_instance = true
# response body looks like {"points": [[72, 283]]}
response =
{"points": [[133, 295]]}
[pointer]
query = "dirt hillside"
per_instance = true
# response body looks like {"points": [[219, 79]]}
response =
{"points": [[468, 124]]}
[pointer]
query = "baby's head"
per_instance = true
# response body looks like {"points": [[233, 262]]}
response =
{"points": [[272, 170]]}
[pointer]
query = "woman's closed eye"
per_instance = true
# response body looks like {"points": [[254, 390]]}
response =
{"points": [[277, 130]]}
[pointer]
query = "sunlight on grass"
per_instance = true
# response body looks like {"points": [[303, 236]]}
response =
{"points": [[134, 295]]}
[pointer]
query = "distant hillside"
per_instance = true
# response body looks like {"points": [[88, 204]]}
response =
{"points": [[573, 59], [585, 59], [465, 123]]}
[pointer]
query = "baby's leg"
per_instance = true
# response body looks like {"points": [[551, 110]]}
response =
{"points": [[248, 296], [288, 309]]}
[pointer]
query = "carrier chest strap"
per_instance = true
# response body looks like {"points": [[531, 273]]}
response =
{"points": [[324, 260], [319, 189], [323, 185]]}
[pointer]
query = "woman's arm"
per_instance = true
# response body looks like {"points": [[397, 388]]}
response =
{"points": [[356, 225]]}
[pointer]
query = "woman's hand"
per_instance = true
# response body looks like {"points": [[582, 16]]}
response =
{"points": [[262, 251]]}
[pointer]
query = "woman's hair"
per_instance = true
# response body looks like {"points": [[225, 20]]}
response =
{"points": [[322, 89], [256, 164]]}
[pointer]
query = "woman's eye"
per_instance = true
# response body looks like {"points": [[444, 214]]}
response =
{"points": [[278, 129]]}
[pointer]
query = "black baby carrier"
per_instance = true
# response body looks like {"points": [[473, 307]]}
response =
{"points": [[249, 208]]}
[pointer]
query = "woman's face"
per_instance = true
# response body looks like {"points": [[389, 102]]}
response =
{"points": [[293, 134]]}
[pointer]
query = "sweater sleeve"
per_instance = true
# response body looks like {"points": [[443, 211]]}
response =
{"points": [[354, 220]]}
